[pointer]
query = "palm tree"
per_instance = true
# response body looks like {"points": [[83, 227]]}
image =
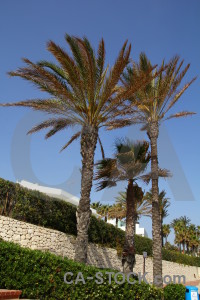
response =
{"points": [[82, 92], [142, 206], [163, 205], [166, 231], [116, 211], [192, 238], [180, 226], [129, 162], [104, 211], [149, 107], [96, 205]]}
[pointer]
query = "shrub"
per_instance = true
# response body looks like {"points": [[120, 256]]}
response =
{"points": [[174, 291], [180, 258], [41, 275], [39, 209]]}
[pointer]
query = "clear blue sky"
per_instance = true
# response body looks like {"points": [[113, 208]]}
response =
{"points": [[160, 28]]}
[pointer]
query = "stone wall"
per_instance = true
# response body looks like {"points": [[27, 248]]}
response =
{"points": [[36, 237]]}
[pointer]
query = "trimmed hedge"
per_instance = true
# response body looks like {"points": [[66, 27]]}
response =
{"points": [[39, 209], [41, 275], [180, 258], [174, 291]]}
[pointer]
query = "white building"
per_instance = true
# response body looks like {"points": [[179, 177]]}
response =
{"points": [[122, 225], [60, 194]]}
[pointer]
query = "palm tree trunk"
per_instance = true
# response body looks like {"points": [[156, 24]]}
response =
{"points": [[153, 131], [88, 145], [116, 224], [162, 232], [128, 255]]}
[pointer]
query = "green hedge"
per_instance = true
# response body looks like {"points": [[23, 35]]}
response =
{"points": [[39, 209], [180, 258], [174, 291], [41, 276]]}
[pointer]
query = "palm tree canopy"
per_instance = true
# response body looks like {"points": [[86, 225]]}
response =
{"points": [[163, 202], [166, 230], [96, 205], [129, 162], [152, 102], [117, 211], [142, 206], [82, 89], [182, 221]]}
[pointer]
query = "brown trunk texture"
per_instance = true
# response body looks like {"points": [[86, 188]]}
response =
{"points": [[153, 131], [88, 145], [128, 255]]}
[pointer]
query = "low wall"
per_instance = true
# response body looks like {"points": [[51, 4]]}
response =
{"points": [[40, 238]]}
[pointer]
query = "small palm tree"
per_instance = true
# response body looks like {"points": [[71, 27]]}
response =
{"points": [[82, 92], [192, 239], [166, 231], [180, 226], [149, 107], [96, 205], [104, 211], [142, 206], [129, 163], [163, 205], [117, 212]]}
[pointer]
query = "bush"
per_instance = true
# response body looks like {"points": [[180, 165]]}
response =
{"points": [[39, 209], [180, 258], [41, 275], [174, 291]]}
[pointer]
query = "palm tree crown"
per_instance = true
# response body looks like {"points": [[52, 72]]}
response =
{"points": [[129, 162], [153, 101], [83, 90], [142, 206], [163, 202]]}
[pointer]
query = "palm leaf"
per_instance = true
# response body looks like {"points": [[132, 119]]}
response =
{"points": [[73, 138]]}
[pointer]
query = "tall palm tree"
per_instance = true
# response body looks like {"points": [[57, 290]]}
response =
{"points": [[84, 92], [163, 205], [149, 107], [166, 231], [142, 206], [129, 163]]}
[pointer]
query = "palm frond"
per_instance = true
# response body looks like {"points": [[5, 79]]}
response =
{"points": [[180, 114], [101, 146], [73, 138], [57, 124]]}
